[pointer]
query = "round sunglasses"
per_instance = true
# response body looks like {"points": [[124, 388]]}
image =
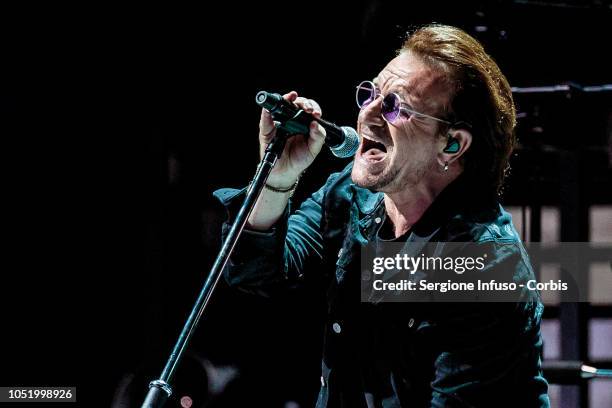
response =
{"points": [[391, 106]]}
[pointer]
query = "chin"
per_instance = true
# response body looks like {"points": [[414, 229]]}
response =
{"points": [[361, 178], [372, 181], [373, 161]]}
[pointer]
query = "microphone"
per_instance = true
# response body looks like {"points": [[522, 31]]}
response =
{"points": [[342, 140]]}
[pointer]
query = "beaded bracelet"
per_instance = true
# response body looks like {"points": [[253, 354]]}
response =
{"points": [[290, 190]]}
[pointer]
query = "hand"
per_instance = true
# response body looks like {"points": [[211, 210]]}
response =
{"points": [[300, 150]]}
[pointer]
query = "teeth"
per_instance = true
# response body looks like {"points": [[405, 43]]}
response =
{"points": [[374, 140], [369, 144]]}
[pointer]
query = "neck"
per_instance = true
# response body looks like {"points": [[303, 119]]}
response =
{"points": [[406, 207]]}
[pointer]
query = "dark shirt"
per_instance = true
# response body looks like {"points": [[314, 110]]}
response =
{"points": [[400, 354]]}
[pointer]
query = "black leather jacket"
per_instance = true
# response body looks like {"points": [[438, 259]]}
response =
{"points": [[400, 354]]}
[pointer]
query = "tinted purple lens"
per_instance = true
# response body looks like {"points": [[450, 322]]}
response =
{"points": [[366, 93], [391, 107], [391, 104]]}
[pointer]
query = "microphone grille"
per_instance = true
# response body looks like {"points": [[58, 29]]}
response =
{"points": [[349, 146]]}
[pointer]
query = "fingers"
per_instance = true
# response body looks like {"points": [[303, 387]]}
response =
{"points": [[317, 138], [291, 96], [309, 105], [317, 131], [267, 129]]}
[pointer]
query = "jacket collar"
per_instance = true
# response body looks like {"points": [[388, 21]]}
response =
{"points": [[367, 201], [456, 198]]}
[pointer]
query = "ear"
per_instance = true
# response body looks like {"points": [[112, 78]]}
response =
{"points": [[458, 141]]}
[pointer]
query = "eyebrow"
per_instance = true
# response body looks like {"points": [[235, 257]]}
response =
{"points": [[405, 94], [410, 87], [410, 91]]}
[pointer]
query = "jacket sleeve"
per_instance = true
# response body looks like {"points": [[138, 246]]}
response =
{"points": [[277, 258]]}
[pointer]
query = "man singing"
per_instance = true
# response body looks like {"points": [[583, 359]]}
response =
{"points": [[436, 127]]}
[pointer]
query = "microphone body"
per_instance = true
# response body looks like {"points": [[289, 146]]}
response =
{"points": [[342, 141]]}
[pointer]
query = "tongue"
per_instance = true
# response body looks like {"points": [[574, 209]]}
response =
{"points": [[375, 154]]}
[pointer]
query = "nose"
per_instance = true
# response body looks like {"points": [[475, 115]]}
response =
{"points": [[371, 115]]}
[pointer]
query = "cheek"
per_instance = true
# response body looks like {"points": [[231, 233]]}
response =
{"points": [[411, 151]]}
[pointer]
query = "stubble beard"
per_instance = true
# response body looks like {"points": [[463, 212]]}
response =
{"points": [[391, 181]]}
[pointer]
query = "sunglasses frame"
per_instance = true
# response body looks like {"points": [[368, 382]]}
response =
{"points": [[401, 103]]}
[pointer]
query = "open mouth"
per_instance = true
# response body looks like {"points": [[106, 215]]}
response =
{"points": [[372, 150]]}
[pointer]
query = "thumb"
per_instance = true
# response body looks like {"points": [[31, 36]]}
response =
{"points": [[266, 126]]}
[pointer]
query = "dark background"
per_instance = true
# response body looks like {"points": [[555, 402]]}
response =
{"points": [[119, 122]]}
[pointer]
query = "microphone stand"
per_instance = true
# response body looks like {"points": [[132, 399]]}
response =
{"points": [[572, 372], [160, 389]]}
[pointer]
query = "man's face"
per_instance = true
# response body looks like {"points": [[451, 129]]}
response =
{"points": [[392, 157]]}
